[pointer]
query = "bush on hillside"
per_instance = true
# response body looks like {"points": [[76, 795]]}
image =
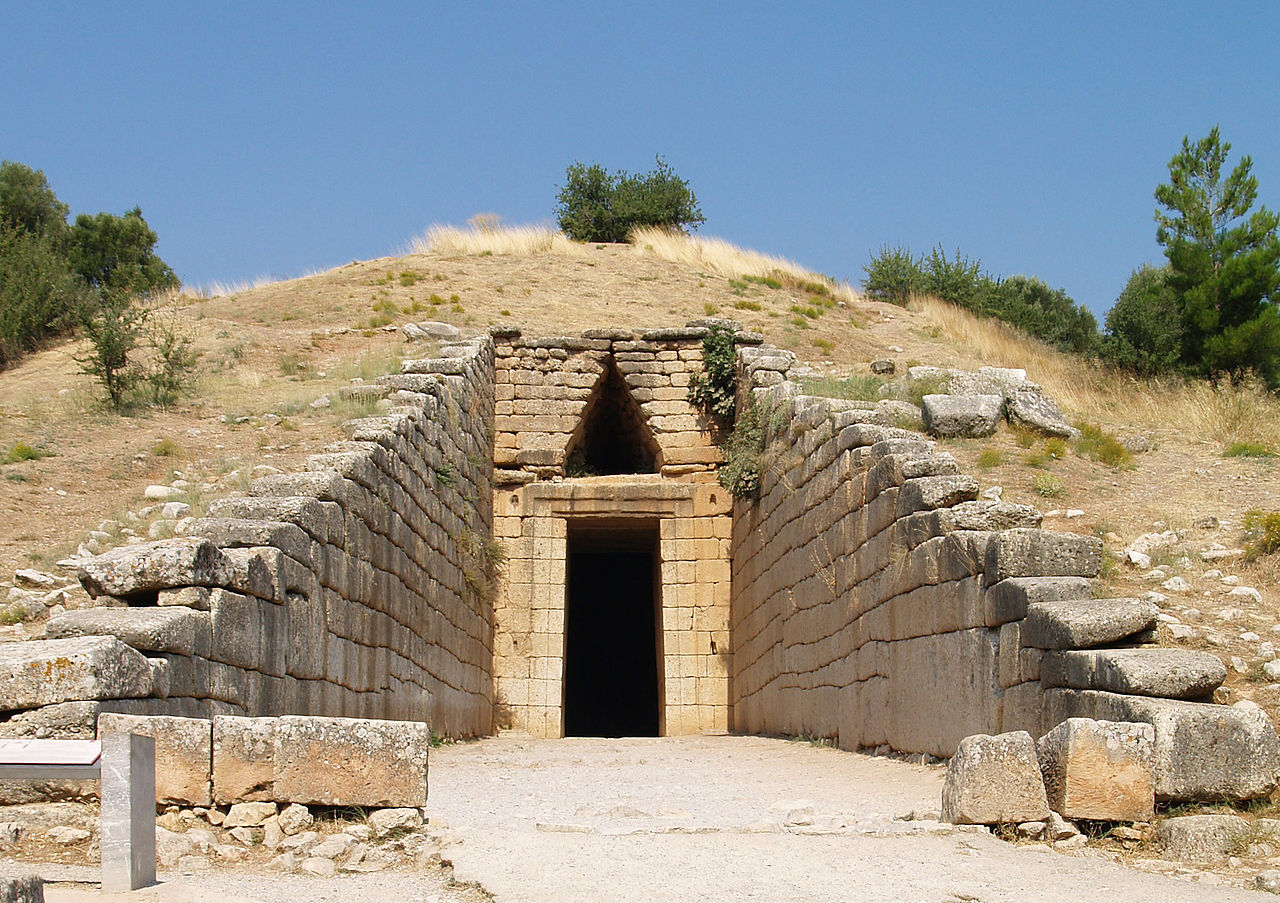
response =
{"points": [[1026, 303], [39, 294], [1050, 315], [894, 274], [598, 207], [1144, 326]]}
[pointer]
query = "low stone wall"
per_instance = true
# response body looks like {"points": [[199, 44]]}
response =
{"points": [[359, 588]]}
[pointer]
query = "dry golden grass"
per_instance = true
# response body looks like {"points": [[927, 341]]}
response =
{"points": [[1225, 412], [483, 236], [726, 259]]}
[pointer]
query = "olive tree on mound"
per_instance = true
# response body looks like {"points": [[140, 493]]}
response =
{"points": [[596, 206]]}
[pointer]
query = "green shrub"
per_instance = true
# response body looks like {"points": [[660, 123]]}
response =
{"points": [[594, 206], [747, 305], [767, 281], [1261, 533], [893, 276], [1049, 485], [40, 296], [1144, 326], [715, 388], [1050, 315], [21, 451], [1101, 446], [166, 448], [1248, 450], [743, 449], [958, 279]]}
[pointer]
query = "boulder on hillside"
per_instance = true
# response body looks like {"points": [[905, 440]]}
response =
{"points": [[962, 416]]}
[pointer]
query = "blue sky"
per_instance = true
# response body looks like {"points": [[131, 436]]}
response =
{"points": [[275, 139]]}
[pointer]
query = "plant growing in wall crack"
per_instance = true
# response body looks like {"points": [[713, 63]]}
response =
{"points": [[482, 558], [715, 389]]}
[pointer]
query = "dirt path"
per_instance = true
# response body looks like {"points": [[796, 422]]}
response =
{"points": [[736, 818]]}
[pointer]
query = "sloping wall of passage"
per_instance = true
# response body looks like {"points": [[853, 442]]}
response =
{"points": [[862, 582], [361, 587]]}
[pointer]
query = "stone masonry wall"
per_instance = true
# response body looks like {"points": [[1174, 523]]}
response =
{"points": [[867, 579], [358, 588]]}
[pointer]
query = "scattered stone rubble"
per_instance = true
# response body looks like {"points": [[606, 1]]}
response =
{"points": [[966, 404]]}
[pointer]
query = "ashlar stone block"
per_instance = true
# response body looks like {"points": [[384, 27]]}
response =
{"points": [[994, 780], [44, 672], [1099, 769], [351, 762], [184, 753]]}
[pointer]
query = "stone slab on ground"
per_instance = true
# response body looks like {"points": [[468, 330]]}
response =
{"points": [[183, 753], [243, 759], [351, 762], [44, 672], [994, 780], [1201, 751], [962, 416], [1028, 406], [1202, 838], [1082, 623], [1099, 769], [147, 567], [1168, 673]]}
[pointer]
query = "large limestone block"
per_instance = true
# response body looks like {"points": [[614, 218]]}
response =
{"points": [[44, 672], [1009, 599], [243, 759], [1028, 406], [182, 631], [994, 780], [942, 688], [1171, 673], [1201, 751], [351, 762], [183, 753], [1099, 769], [1024, 552], [1082, 623], [967, 416], [152, 566]]}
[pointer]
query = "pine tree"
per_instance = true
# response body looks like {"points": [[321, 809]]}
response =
{"points": [[1224, 264]]}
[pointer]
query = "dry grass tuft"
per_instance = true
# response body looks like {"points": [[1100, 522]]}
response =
{"points": [[1224, 413], [726, 259], [484, 235]]}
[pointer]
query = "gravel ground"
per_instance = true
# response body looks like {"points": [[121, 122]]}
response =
{"points": [[679, 819], [738, 818]]}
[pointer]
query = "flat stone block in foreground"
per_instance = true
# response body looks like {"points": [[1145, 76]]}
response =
{"points": [[1168, 673], [44, 672], [994, 780], [152, 566], [1099, 769], [967, 416], [1201, 751], [1082, 623], [1024, 552], [351, 762], [243, 759], [183, 753]]}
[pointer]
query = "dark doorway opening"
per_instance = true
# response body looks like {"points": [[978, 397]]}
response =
{"points": [[613, 436], [612, 678]]}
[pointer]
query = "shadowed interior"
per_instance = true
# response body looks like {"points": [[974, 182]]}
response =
{"points": [[613, 437], [611, 668]]}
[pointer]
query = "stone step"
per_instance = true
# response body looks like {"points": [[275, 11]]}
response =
{"points": [[1085, 623], [1201, 751], [1168, 673]]}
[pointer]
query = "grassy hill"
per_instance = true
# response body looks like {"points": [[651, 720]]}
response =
{"points": [[270, 351]]}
